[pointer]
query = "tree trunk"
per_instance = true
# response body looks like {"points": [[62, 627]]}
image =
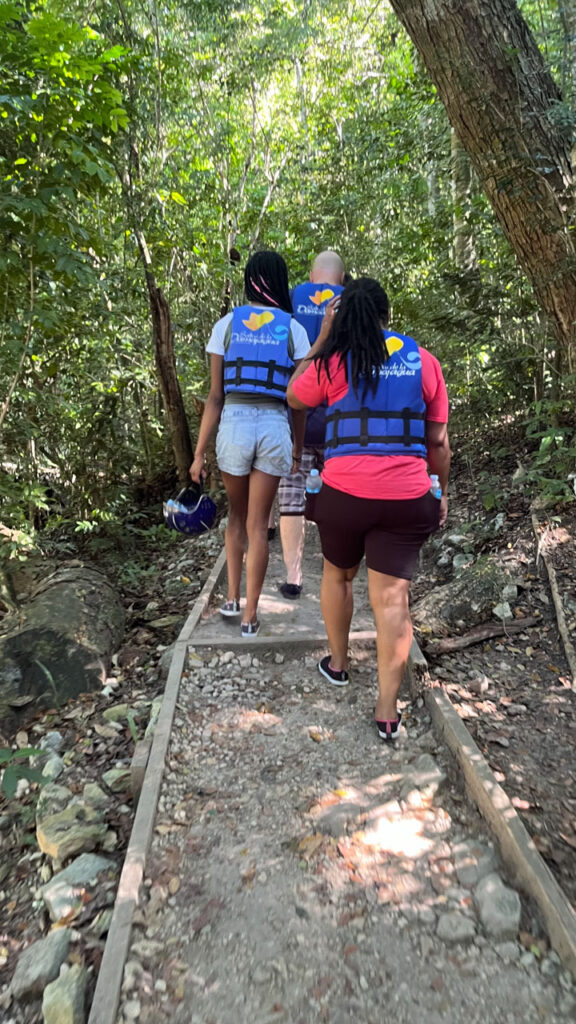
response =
{"points": [[168, 379], [464, 249], [503, 104]]}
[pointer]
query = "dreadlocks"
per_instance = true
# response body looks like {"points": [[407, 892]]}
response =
{"points": [[357, 329], [266, 280]]}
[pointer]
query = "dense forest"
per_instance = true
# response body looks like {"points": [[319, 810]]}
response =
{"points": [[148, 149]]}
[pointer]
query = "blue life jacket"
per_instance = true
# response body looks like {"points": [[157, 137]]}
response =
{"points": [[309, 302], [257, 359], [389, 421]]}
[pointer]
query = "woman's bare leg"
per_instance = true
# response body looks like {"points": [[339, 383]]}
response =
{"points": [[337, 602], [237, 488], [389, 598], [262, 491]]}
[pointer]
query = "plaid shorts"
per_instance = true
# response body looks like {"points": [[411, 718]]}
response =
{"points": [[292, 489]]}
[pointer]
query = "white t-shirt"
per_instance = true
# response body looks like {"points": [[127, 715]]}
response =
{"points": [[215, 346]]}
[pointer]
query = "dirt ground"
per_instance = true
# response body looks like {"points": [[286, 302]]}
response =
{"points": [[524, 720]]}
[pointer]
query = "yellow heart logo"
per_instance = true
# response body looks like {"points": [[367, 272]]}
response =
{"points": [[394, 345], [319, 297], [257, 320]]}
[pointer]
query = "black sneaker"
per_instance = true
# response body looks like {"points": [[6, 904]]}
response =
{"points": [[291, 590], [335, 676], [389, 729], [271, 532], [230, 608], [250, 629]]}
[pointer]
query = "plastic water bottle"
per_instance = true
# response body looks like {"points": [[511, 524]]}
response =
{"points": [[313, 482], [435, 489]]}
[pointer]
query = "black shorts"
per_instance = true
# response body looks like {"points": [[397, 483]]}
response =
{"points": [[389, 533]]}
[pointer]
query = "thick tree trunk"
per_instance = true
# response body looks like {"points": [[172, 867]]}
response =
{"points": [[503, 104], [464, 249]]}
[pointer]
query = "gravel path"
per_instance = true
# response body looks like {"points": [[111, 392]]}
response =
{"points": [[301, 871]]}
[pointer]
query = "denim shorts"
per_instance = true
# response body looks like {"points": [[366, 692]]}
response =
{"points": [[254, 438]]}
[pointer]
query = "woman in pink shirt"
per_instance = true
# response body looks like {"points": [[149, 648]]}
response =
{"points": [[386, 427]]}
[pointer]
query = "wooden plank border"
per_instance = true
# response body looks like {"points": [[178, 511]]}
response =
{"points": [[526, 866], [106, 999]]}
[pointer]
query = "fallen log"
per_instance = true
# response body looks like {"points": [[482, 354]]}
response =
{"points": [[60, 642], [485, 631]]}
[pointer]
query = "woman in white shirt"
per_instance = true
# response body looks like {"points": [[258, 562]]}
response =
{"points": [[253, 352]]}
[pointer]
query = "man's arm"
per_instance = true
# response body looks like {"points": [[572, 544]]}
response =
{"points": [[438, 447]]}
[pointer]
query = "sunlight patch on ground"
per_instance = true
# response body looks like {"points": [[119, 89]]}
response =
{"points": [[402, 837]]}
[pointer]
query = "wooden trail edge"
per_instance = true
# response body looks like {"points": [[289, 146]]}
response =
{"points": [[526, 867], [569, 649], [106, 999]]}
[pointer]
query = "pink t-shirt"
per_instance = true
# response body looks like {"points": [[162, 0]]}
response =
{"points": [[375, 476]]}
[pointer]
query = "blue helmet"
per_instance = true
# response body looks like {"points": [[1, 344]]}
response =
{"points": [[190, 511]]}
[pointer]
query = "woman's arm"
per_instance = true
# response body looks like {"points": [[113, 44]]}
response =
{"points": [[210, 416], [439, 456], [303, 364]]}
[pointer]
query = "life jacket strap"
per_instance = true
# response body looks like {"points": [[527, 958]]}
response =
{"points": [[239, 378], [364, 438]]}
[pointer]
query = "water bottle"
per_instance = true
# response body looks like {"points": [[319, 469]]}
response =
{"points": [[435, 489], [313, 482], [313, 486]]}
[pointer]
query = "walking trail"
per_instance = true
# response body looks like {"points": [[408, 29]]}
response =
{"points": [[303, 871]]}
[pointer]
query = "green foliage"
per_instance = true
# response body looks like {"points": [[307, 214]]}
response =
{"points": [[14, 769], [183, 131]]}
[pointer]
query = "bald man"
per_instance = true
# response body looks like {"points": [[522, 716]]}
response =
{"points": [[309, 302]]}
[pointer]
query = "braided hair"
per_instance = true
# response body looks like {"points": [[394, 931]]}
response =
{"points": [[357, 329], [266, 280]]}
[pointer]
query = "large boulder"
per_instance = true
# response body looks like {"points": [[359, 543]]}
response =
{"points": [[468, 599], [61, 642]]}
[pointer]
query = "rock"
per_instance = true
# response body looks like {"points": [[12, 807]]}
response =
{"points": [[61, 645], [53, 768], [455, 927], [52, 798], [96, 797], [479, 684], [63, 1000], [147, 949], [469, 598], [132, 1009], [473, 861], [73, 830], [457, 540], [502, 611], [64, 891], [459, 561], [507, 951], [425, 776], [116, 712], [110, 841], [52, 742], [498, 907], [40, 964], [166, 661], [117, 779]]}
